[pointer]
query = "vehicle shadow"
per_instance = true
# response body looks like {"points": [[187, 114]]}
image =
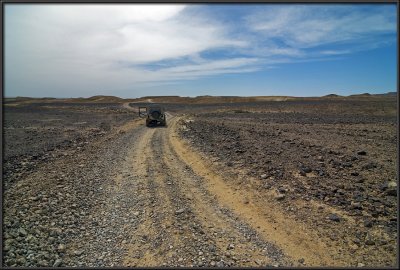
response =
{"points": [[157, 126]]}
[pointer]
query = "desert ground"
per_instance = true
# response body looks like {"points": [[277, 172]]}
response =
{"points": [[229, 182]]}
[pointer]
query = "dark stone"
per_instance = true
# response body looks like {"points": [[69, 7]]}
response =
{"points": [[368, 223], [347, 165], [334, 217], [391, 192], [282, 190], [369, 242], [369, 166], [356, 205], [384, 186], [362, 153]]}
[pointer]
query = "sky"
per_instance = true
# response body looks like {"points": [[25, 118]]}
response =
{"points": [[135, 50]]}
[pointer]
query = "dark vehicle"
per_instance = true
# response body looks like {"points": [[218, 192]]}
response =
{"points": [[155, 115]]}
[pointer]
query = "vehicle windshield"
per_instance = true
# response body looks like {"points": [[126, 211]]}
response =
{"points": [[155, 109]]}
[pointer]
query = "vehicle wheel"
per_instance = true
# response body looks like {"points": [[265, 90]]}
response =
{"points": [[155, 114]]}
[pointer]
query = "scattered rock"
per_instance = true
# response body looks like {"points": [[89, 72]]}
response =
{"points": [[230, 246], [220, 264], [368, 223], [392, 184], [78, 252], [282, 190], [369, 242], [369, 166], [356, 205], [306, 169], [22, 232], [57, 263], [334, 217], [61, 247], [180, 211], [391, 192]]}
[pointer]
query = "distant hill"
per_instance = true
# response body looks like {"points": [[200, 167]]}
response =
{"points": [[332, 96], [204, 99], [361, 95], [101, 98], [388, 94], [368, 95]]}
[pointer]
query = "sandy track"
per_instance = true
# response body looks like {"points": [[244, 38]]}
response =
{"points": [[183, 223], [188, 216]]}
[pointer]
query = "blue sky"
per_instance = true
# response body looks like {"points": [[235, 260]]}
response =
{"points": [[189, 50]]}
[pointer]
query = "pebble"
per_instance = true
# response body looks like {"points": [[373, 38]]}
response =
{"points": [[220, 264], [57, 263], [334, 217], [369, 242], [61, 247], [180, 211], [264, 176], [21, 261], [361, 153], [392, 184], [391, 192], [368, 223], [78, 252], [22, 232]]}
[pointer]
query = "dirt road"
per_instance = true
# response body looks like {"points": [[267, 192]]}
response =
{"points": [[176, 220], [173, 213]]}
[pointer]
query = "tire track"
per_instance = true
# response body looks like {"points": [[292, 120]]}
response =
{"points": [[182, 223], [260, 213], [236, 238]]}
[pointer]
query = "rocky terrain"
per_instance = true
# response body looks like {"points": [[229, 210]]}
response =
{"points": [[335, 173], [271, 183]]}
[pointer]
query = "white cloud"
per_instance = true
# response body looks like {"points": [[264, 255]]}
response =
{"points": [[307, 26], [86, 42], [91, 47]]}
